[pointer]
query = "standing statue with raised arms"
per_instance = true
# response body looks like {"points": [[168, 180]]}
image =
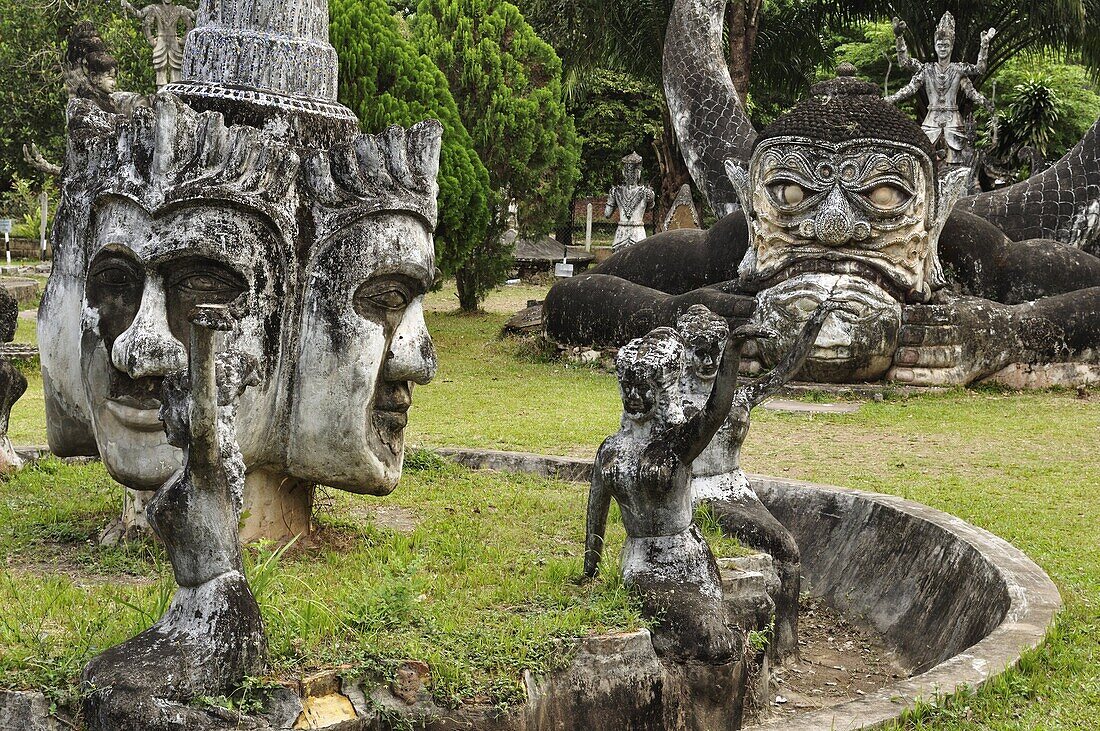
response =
{"points": [[942, 80], [160, 23]]}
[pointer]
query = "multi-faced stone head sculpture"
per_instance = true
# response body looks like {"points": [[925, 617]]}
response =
{"points": [[843, 202], [183, 211], [650, 370], [362, 338]]}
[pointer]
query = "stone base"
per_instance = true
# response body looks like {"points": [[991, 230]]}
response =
{"points": [[276, 508], [1024, 376]]}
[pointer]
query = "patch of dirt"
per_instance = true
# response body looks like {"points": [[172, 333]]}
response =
{"points": [[81, 575], [394, 517], [840, 661]]}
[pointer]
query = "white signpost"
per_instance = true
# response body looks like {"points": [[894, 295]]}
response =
{"points": [[44, 201], [6, 225]]}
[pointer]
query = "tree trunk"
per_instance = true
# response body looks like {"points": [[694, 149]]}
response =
{"points": [[674, 171], [465, 280], [742, 23]]}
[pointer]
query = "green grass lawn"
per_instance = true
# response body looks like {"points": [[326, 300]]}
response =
{"points": [[483, 584]]}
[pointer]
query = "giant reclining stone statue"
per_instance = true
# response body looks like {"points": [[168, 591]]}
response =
{"points": [[842, 198]]}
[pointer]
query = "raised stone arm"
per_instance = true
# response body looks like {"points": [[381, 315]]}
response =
{"points": [[905, 61], [980, 67], [763, 388], [130, 8], [692, 438], [599, 502]]}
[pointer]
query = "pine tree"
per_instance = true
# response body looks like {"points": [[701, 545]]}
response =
{"points": [[386, 81], [506, 82]]}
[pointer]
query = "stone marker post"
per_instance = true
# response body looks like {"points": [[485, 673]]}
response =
{"points": [[44, 204], [588, 230]]}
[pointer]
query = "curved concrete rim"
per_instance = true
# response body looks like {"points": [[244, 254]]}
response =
{"points": [[1034, 600]]}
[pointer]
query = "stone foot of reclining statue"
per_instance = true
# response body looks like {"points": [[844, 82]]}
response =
{"points": [[212, 636]]}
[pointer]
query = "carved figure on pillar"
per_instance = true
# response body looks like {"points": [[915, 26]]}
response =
{"points": [[942, 80], [212, 635], [13, 384], [632, 199], [646, 468], [160, 22]]}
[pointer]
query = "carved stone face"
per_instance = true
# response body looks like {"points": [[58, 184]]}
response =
{"points": [[363, 344], [105, 81], [145, 274], [863, 203], [639, 397], [856, 342], [945, 46]]}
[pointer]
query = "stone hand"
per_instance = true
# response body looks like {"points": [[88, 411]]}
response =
{"points": [[987, 36], [954, 343], [899, 25]]}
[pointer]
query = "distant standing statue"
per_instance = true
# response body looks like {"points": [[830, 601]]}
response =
{"points": [[633, 200], [942, 80], [160, 23]]}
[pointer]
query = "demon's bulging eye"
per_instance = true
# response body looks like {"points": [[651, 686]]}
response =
{"points": [[787, 193], [887, 197]]}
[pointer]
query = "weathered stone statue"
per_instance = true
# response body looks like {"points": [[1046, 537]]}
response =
{"points": [[91, 73], [160, 22], [13, 384], [843, 198], [632, 199], [942, 80], [267, 199], [717, 478], [646, 468], [212, 635]]}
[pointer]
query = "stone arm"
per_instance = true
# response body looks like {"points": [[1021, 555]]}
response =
{"points": [[909, 90], [905, 61], [971, 92], [599, 503], [609, 209], [965, 339], [979, 68], [763, 388], [130, 8], [650, 285], [689, 441]]}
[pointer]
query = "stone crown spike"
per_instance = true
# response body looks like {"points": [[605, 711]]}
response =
{"points": [[272, 53]]}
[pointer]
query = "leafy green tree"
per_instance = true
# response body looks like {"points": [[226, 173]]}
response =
{"points": [[33, 41], [386, 81], [506, 82], [616, 114]]}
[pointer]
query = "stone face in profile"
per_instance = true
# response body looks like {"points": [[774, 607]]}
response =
{"points": [[632, 200], [363, 342]]}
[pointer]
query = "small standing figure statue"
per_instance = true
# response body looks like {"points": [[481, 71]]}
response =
{"points": [[160, 23], [212, 636], [633, 200], [717, 478], [942, 80], [666, 562]]}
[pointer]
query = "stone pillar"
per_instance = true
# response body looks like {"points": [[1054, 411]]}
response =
{"points": [[274, 58], [588, 230]]}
